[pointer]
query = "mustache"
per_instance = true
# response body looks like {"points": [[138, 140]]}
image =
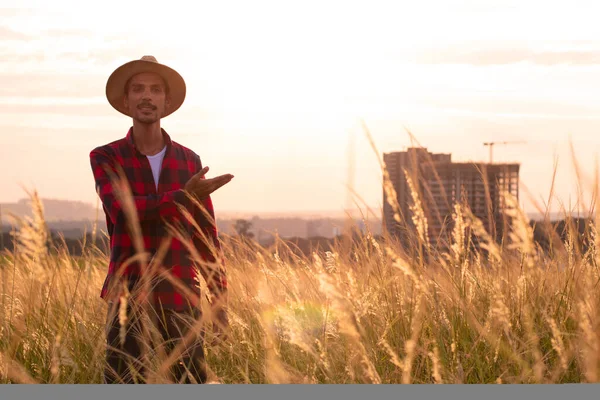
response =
{"points": [[143, 105]]}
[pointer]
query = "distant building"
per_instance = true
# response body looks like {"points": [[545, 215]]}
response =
{"points": [[442, 183]]}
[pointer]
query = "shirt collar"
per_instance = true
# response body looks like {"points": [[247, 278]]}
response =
{"points": [[129, 139]]}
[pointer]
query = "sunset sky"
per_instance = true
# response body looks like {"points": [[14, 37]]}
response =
{"points": [[276, 90]]}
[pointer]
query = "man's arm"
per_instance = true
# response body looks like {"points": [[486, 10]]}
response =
{"points": [[147, 207], [209, 246], [213, 270]]}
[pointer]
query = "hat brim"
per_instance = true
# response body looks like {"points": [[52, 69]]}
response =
{"points": [[115, 86]]}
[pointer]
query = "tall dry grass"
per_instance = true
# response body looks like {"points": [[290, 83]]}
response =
{"points": [[368, 313]]}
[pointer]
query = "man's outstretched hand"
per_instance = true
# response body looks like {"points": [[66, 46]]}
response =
{"points": [[201, 187]]}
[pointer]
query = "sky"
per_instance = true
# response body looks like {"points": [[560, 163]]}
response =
{"points": [[276, 92]]}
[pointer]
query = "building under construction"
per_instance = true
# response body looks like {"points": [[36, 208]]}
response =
{"points": [[440, 184]]}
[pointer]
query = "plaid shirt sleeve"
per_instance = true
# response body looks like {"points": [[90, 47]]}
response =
{"points": [[148, 207], [215, 273]]}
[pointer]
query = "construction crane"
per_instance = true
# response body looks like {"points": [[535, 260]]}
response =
{"points": [[491, 144]]}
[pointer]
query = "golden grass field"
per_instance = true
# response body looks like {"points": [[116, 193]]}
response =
{"points": [[364, 312]]}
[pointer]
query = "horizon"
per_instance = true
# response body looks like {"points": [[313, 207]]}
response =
{"points": [[280, 106], [303, 214]]}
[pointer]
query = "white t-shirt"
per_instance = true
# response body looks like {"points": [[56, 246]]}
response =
{"points": [[156, 163]]}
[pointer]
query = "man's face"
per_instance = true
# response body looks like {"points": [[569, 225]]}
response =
{"points": [[146, 99]]}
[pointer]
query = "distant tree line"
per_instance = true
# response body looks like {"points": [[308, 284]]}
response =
{"points": [[543, 235]]}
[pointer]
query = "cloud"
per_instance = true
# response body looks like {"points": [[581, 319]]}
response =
{"points": [[15, 12], [54, 108], [106, 58], [510, 56], [22, 58], [61, 33], [47, 72], [568, 57], [51, 85], [477, 105], [10, 34]]}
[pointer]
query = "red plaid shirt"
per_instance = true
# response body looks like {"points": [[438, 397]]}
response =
{"points": [[154, 209]]}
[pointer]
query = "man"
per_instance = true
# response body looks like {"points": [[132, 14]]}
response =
{"points": [[157, 202]]}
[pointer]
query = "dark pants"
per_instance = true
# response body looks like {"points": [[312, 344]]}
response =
{"points": [[124, 363]]}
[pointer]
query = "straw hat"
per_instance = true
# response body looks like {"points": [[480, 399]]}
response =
{"points": [[115, 86]]}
